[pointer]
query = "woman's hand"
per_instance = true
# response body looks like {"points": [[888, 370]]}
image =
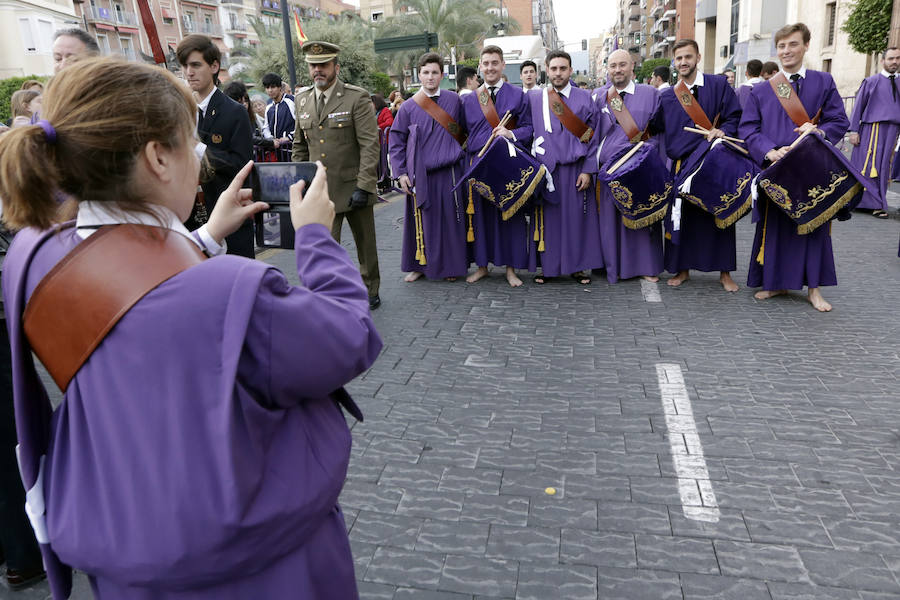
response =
{"points": [[315, 206], [233, 207]]}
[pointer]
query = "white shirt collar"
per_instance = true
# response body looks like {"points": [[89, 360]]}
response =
{"points": [[801, 72], [496, 86], [94, 214], [698, 80], [464, 91], [436, 94], [752, 81], [629, 89], [886, 74], [663, 85], [205, 102], [534, 87], [566, 90]]}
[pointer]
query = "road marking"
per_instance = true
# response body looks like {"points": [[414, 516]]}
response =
{"points": [[698, 501], [650, 291]]}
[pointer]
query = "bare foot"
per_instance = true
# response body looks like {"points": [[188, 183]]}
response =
{"points": [[412, 277], [679, 279], [727, 282], [512, 278], [818, 302], [478, 274], [766, 294], [650, 278]]}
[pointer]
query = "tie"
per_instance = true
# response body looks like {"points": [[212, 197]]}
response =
{"points": [[321, 106], [795, 80], [695, 90], [892, 77], [493, 90], [199, 119]]}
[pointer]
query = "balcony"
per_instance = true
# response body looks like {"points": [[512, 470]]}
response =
{"points": [[670, 14], [129, 19], [235, 29], [210, 29], [270, 6], [635, 14], [233, 3], [94, 14]]}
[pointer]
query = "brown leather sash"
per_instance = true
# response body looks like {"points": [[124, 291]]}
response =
{"points": [[82, 298], [490, 111], [622, 114], [790, 101], [441, 116], [569, 119], [691, 106]]}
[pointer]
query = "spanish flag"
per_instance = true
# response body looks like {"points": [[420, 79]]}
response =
{"points": [[301, 37]]}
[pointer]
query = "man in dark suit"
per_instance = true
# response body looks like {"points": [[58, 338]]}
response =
{"points": [[222, 124]]}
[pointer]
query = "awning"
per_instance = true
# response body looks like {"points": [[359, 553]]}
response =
{"points": [[103, 26], [128, 30]]}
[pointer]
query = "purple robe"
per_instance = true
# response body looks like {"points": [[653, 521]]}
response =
{"points": [[443, 215], [198, 453], [497, 241], [570, 223], [702, 245], [876, 117], [790, 260], [627, 252]]}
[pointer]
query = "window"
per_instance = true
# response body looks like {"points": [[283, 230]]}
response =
{"points": [[826, 65], [45, 36], [28, 36], [733, 29], [127, 51], [830, 16], [377, 16], [103, 42]]}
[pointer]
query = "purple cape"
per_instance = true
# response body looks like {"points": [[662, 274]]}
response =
{"points": [[198, 453], [876, 117], [567, 224], [433, 226], [789, 260], [495, 240], [626, 252]]}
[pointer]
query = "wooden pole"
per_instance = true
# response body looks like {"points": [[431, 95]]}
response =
{"points": [[894, 35]]}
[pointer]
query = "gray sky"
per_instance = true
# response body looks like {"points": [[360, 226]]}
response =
{"points": [[580, 19]]}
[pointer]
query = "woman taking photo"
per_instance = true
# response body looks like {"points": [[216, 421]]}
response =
{"points": [[200, 446]]}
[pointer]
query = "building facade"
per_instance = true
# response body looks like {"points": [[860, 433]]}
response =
{"points": [[26, 34], [732, 32]]}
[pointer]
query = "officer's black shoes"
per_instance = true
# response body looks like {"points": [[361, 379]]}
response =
{"points": [[374, 302]]}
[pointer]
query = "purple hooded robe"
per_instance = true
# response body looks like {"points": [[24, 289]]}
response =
{"points": [[876, 117]]}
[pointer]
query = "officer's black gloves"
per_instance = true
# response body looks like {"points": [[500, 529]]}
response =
{"points": [[359, 199]]}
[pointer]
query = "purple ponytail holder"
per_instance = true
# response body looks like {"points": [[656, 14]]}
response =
{"points": [[49, 132]]}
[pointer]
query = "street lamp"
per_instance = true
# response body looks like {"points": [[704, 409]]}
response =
{"points": [[501, 26]]}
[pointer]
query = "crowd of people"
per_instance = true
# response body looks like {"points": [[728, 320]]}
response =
{"points": [[248, 365]]}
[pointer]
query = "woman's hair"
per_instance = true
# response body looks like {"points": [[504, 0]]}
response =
{"points": [[237, 91], [102, 112], [378, 101], [30, 83], [20, 100]]}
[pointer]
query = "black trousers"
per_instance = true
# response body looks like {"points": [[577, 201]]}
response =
{"points": [[16, 536]]}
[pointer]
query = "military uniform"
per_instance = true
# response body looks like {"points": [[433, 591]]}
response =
{"points": [[344, 137]]}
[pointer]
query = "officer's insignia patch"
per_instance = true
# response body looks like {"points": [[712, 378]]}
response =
{"points": [[216, 138], [617, 104], [687, 99], [783, 90], [557, 107], [316, 49], [303, 102]]}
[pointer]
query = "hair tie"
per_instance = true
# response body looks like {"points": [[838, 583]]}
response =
{"points": [[49, 132]]}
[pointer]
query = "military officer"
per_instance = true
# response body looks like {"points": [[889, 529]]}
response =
{"points": [[336, 125]]}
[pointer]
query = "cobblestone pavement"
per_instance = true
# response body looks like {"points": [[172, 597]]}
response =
{"points": [[705, 445]]}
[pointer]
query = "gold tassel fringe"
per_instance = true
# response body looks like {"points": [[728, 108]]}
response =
{"points": [[832, 210], [762, 244]]}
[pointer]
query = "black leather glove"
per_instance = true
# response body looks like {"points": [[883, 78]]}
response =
{"points": [[359, 199]]}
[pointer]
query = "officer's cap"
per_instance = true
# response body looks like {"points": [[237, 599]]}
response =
{"points": [[319, 52]]}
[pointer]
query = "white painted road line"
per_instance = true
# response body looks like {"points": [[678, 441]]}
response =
{"points": [[650, 291], [698, 501]]}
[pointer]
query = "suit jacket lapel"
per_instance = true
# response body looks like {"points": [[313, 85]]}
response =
{"points": [[212, 109]]}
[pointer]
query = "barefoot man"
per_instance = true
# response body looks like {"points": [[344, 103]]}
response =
{"points": [[788, 260], [426, 132], [493, 240], [709, 99], [627, 252]]}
